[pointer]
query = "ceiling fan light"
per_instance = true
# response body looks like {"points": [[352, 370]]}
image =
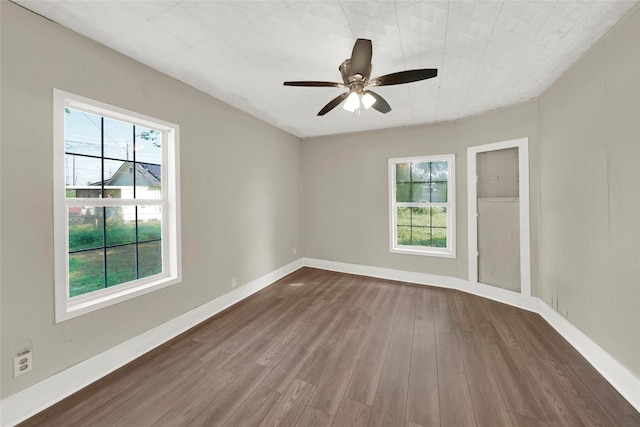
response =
{"points": [[368, 100], [352, 103]]}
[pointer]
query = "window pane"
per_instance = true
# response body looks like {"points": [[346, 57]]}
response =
{"points": [[118, 140], [403, 192], [85, 228], [440, 171], [149, 223], [121, 264], [403, 216], [149, 258], [420, 193], [148, 145], [148, 181], [418, 226], [86, 272], [439, 239], [421, 217], [404, 235], [82, 133], [421, 236], [439, 217], [118, 179], [121, 226], [403, 172], [420, 172], [439, 192], [82, 176]]}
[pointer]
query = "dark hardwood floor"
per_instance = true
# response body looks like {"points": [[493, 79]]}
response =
{"points": [[319, 348]]}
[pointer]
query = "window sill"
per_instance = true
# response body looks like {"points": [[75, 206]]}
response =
{"points": [[81, 305], [422, 252]]}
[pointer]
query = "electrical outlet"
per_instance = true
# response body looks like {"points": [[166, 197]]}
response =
{"points": [[295, 250], [234, 282], [22, 363]]}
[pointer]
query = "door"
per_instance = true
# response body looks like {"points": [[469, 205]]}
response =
{"points": [[499, 216]]}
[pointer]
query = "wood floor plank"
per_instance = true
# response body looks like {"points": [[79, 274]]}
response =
{"points": [[390, 403], [373, 352], [456, 407], [423, 404], [500, 318], [296, 356], [149, 404], [226, 328], [489, 409], [316, 364], [443, 317], [551, 399], [522, 421], [577, 395], [280, 344], [352, 413], [196, 399], [237, 314], [289, 407], [384, 290], [243, 334], [229, 399], [312, 417], [253, 410], [515, 392], [245, 357], [339, 367], [364, 380]]}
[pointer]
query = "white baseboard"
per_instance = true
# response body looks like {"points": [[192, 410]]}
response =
{"points": [[28, 402], [490, 292], [623, 380]]}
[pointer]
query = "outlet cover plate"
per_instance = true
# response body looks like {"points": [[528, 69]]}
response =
{"points": [[22, 363]]}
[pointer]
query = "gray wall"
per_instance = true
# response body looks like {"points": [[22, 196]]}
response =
{"points": [[590, 187], [346, 202], [240, 187]]}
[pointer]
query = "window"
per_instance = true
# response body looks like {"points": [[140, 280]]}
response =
{"points": [[116, 217], [422, 205]]}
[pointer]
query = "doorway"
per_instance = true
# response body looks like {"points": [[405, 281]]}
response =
{"points": [[498, 200]]}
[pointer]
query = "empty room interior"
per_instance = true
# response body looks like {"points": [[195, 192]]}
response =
{"points": [[337, 213]]}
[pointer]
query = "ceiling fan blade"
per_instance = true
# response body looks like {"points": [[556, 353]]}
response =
{"points": [[333, 103], [314, 84], [380, 104], [361, 58], [404, 77]]}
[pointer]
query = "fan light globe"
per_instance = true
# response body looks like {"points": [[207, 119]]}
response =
{"points": [[368, 100], [352, 103]]}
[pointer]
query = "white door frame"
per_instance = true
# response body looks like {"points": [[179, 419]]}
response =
{"points": [[472, 193]]}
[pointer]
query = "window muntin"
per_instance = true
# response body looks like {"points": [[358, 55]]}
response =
{"points": [[116, 198], [422, 205]]}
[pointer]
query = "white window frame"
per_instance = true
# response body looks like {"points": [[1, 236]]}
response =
{"points": [[450, 250], [69, 307]]}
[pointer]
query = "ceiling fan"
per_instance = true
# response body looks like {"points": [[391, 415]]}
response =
{"points": [[355, 75]]}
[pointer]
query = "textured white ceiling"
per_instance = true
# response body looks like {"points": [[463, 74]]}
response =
{"points": [[489, 54]]}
